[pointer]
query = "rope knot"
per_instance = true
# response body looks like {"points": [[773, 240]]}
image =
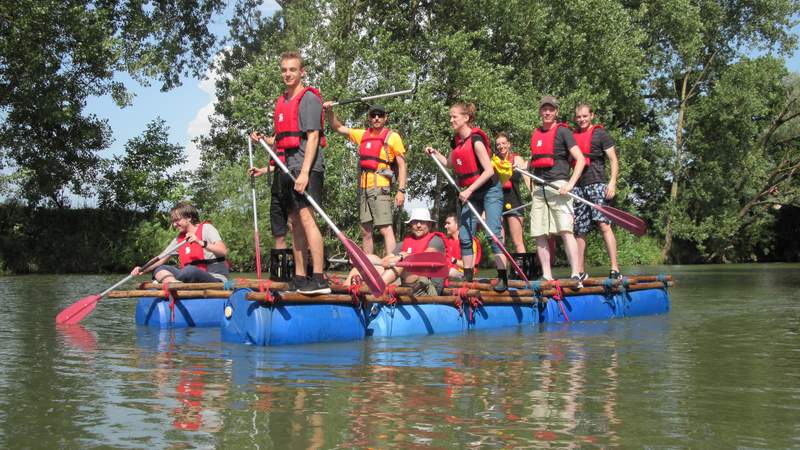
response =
{"points": [[355, 289], [559, 297], [390, 294]]}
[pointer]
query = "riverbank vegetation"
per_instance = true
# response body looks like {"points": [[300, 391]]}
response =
{"points": [[696, 94]]}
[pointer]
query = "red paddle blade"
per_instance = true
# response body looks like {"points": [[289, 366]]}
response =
{"points": [[364, 266], [75, 312], [626, 220], [428, 264]]}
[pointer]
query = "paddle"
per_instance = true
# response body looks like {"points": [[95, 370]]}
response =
{"points": [[517, 208], [75, 312], [626, 220], [375, 97], [482, 222], [255, 211], [429, 264], [360, 260]]}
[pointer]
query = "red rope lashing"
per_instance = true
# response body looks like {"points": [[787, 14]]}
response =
{"points": [[168, 295], [355, 289], [268, 298], [461, 294], [559, 297], [474, 303], [390, 294]]}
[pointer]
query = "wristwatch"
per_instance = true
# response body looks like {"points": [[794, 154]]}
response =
{"points": [[401, 190]]}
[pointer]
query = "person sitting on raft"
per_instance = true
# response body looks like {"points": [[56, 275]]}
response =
{"points": [[453, 247], [420, 239], [202, 257]]}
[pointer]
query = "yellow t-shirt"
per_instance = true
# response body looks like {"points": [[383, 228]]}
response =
{"points": [[392, 147]]}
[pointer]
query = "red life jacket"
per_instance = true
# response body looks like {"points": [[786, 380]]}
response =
{"points": [[584, 141], [413, 245], [507, 186], [542, 143], [287, 123], [369, 151], [452, 249], [192, 253], [465, 162]]}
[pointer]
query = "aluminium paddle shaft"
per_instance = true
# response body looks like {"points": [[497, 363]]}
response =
{"points": [[482, 222], [375, 97]]}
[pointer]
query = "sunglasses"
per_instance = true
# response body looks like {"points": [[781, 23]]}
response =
{"points": [[377, 114]]}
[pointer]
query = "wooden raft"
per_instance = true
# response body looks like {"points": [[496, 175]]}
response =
{"points": [[401, 294]]}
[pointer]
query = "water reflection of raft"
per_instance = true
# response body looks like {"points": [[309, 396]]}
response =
{"points": [[271, 317]]}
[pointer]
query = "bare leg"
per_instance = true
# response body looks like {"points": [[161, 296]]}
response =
{"points": [[280, 242], [543, 253], [313, 238], [515, 229], [165, 276], [581, 240], [571, 247], [389, 241], [611, 244], [300, 244], [366, 238]]}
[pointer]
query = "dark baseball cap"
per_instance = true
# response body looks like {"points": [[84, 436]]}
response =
{"points": [[548, 100], [376, 108]]}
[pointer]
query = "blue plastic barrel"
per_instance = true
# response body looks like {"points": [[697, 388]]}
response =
{"points": [[251, 322], [199, 312]]}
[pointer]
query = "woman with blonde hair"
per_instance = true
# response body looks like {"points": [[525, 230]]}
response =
{"points": [[471, 161]]}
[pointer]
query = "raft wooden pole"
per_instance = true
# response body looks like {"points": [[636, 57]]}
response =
{"points": [[486, 297], [186, 294], [339, 288]]}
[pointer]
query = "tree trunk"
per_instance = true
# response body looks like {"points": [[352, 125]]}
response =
{"points": [[678, 167]]}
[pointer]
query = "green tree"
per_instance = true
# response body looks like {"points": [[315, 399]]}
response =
{"points": [[146, 178], [689, 42], [56, 54]]}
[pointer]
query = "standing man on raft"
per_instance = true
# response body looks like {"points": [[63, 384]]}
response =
{"points": [[378, 148], [298, 137], [596, 145], [552, 145]]}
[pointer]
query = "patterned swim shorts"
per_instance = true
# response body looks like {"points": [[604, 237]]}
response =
{"points": [[585, 215]]}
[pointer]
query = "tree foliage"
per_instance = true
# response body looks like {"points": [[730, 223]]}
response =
{"points": [[146, 178], [54, 55]]}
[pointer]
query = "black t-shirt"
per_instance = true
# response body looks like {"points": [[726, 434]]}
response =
{"points": [[595, 172], [561, 168]]}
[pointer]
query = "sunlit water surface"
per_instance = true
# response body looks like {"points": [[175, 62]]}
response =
{"points": [[722, 369]]}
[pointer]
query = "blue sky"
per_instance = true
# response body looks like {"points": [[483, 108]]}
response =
{"points": [[185, 109]]}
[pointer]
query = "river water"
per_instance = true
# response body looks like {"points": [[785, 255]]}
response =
{"points": [[722, 369]]}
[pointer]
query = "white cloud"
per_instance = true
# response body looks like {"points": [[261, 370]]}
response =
{"points": [[201, 124]]}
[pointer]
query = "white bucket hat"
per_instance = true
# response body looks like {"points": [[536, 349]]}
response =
{"points": [[421, 214]]}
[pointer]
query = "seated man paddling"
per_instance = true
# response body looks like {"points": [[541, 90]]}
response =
{"points": [[420, 239]]}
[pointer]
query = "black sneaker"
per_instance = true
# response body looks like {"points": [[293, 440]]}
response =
{"points": [[315, 285], [615, 275], [293, 284], [584, 276], [578, 281]]}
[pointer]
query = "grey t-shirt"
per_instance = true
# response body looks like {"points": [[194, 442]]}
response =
{"points": [[211, 235], [310, 118], [561, 167], [436, 243]]}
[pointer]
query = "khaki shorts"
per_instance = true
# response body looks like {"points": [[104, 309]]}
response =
{"points": [[551, 213], [375, 205]]}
